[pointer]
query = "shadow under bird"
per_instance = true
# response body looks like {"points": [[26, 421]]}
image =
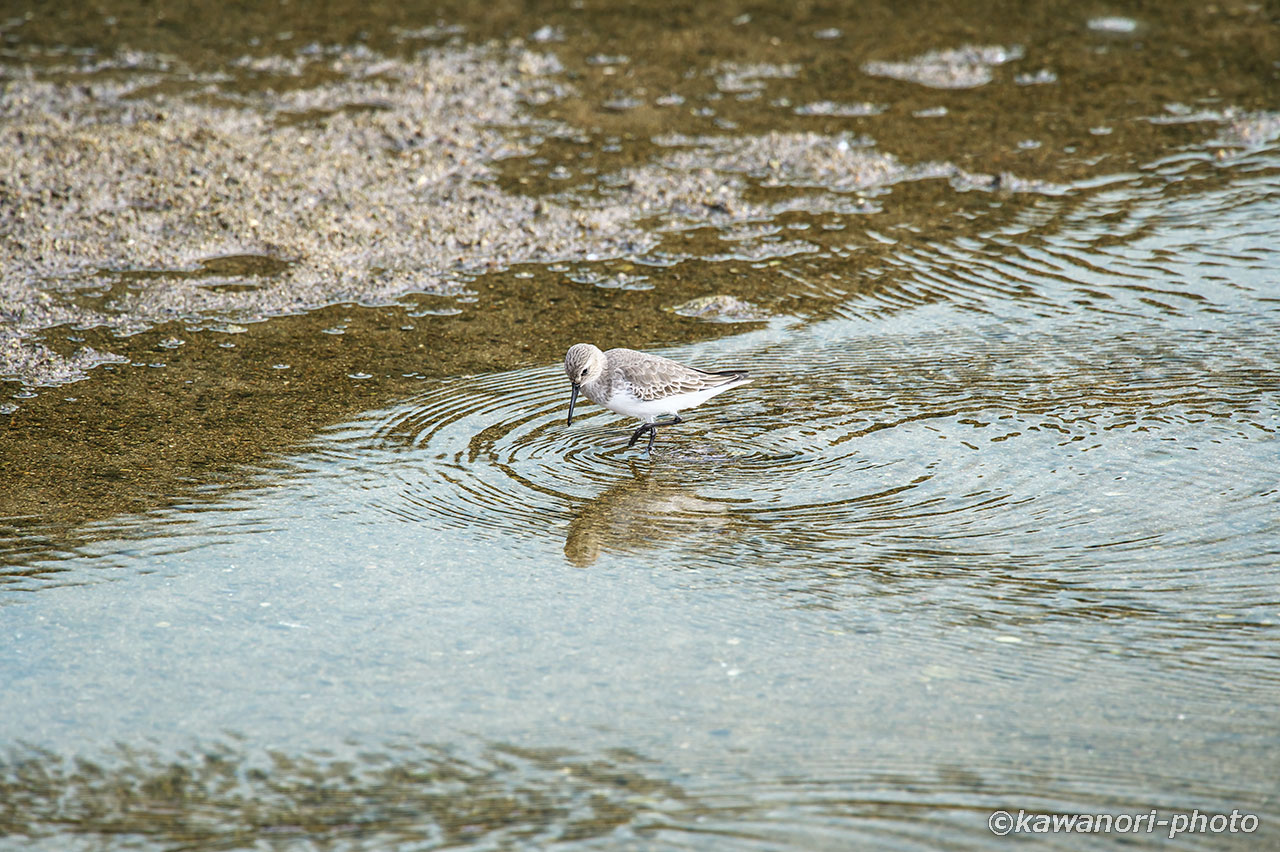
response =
{"points": [[644, 386]]}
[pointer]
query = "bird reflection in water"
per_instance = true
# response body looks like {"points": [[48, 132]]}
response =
{"points": [[654, 507]]}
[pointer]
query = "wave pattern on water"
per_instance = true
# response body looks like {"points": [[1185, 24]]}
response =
{"points": [[474, 796], [1166, 245], [1067, 477], [1089, 438]]}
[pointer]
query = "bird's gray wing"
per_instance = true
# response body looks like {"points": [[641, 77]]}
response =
{"points": [[651, 377]]}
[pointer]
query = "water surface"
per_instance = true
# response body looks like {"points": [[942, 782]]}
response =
{"points": [[995, 526]]}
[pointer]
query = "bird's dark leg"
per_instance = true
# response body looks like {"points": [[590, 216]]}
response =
{"points": [[652, 429], [635, 436]]}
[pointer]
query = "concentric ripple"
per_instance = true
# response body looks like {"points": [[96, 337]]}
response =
{"points": [[494, 452], [1092, 422], [983, 444]]}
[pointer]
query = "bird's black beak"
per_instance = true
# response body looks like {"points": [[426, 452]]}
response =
{"points": [[573, 399]]}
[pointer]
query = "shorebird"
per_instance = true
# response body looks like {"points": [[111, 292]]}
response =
{"points": [[640, 385]]}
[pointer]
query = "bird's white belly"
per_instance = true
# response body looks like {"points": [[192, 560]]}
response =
{"points": [[650, 410]]}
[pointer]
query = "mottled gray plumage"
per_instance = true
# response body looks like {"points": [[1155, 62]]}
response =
{"points": [[650, 377]]}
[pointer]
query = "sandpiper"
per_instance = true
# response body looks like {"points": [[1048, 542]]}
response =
{"points": [[641, 385]]}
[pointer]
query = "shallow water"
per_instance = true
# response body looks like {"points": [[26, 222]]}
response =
{"points": [[995, 526]]}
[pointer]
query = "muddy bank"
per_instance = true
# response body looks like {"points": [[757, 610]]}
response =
{"points": [[416, 153], [127, 207], [363, 190]]}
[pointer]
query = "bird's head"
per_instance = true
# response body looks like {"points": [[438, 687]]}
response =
{"points": [[582, 363]]}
